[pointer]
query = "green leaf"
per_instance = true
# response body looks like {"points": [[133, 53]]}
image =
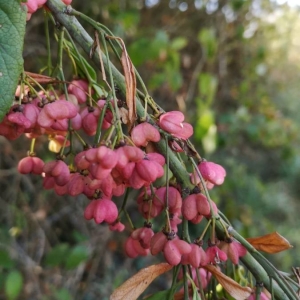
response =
{"points": [[237, 4], [160, 295], [196, 295], [178, 43], [156, 80], [161, 37], [78, 254], [13, 284], [5, 260], [129, 19], [205, 120], [57, 255], [85, 68], [206, 131], [141, 51], [208, 86], [12, 31], [78, 236], [100, 92], [62, 294], [165, 294], [2, 280], [207, 37], [209, 141]]}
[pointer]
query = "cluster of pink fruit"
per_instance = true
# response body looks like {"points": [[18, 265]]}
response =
{"points": [[105, 171], [51, 114]]}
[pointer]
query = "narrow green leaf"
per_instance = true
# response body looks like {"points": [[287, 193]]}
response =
{"points": [[207, 37], [178, 43], [159, 296], [78, 254], [13, 284], [81, 62], [2, 280], [196, 295], [63, 294], [207, 87], [165, 294], [205, 120], [57, 255], [12, 31], [5, 259], [85, 69], [79, 237], [100, 92]]}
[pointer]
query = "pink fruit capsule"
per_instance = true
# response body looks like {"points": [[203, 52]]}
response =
{"points": [[144, 133]]}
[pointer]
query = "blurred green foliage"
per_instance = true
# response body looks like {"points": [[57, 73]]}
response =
{"points": [[234, 69]]}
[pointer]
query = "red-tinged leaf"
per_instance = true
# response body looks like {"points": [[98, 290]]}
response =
{"points": [[235, 290], [135, 286], [270, 243], [130, 82]]}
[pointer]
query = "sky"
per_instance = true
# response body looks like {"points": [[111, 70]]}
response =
{"points": [[293, 3]]}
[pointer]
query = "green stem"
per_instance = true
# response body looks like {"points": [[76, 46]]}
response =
{"points": [[31, 151], [174, 280], [108, 136], [200, 284], [64, 145], [271, 286], [48, 44], [258, 292], [80, 138], [213, 215], [167, 174], [21, 88], [224, 217], [100, 122], [60, 59], [264, 270], [124, 202], [185, 283], [101, 27], [185, 230], [36, 83], [129, 219], [204, 231], [119, 124], [79, 56]]}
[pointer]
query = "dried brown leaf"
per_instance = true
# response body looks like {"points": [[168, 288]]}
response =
{"points": [[42, 79], [96, 46], [130, 82], [135, 286], [270, 243], [235, 290], [124, 115]]}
